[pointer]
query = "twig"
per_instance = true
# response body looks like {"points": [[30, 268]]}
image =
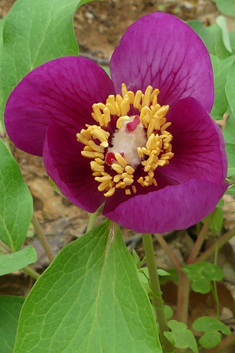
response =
{"points": [[198, 244], [226, 342], [211, 250], [183, 298], [168, 251], [133, 241], [42, 238]]}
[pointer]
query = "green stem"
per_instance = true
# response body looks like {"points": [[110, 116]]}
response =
{"points": [[211, 250], [42, 238], [226, 342], [156, 291], [183, 298], [3, 250], [91, 221], [214, 290], [197, 246], [168, 251], [31, 272], [26, 269]]}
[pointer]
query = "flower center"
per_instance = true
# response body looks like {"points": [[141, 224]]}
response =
{"points": [[130, 142]]}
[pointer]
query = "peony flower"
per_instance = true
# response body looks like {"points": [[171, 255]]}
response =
{"points": [[143, 142]]}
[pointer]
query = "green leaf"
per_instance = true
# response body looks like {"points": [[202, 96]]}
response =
{"points": [[168, 311], [220, 70], [35, 31], [106, 69], [226, 6], [212, 38], [230, 88], [230, 144], [15, 261], [231, 190], [16, 204], [210, 326], [232, 39], [143, 274], [172, 275], [2, 128], [89, 300], [216, 220], [201, 274], [230, 150], [181, 336], [9, 314], [221, 22]]}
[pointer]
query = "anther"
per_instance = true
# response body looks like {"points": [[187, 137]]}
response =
{"points": [[117, 168], [120, 160], [120, 120], [137, 99], [129, 169], [110, 192]]}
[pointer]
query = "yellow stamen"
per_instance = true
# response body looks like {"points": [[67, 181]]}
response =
{"points": [[134, 189], [92, 154], [96, 167], [120, 120], [129, 169], [110, 192], [119, 169], [120, 160], [147, 96], [96, 147], [116, 172], [103, 178], [128, 181], [125, 106], [137, 99]]}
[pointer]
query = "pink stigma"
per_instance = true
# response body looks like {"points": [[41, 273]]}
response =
{"points": [[133, 124], [110, 158]]}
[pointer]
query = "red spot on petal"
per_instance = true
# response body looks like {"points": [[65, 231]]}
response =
{"points": [[133, 124]]}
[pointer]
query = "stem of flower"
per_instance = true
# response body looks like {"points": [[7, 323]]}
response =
{"points": [[42, 238], [226, 342], [197, 246], [31, 272], [214, 286], [183, 298], [211, 250], [91, 221], [168, 251], [26, 269], [156, 291]]}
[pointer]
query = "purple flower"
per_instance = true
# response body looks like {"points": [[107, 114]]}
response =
{"points": [[143, 142]]}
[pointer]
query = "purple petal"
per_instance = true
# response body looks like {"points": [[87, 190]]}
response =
{"points": [[163, 51], [61, 90], [198, 144], [69, 170], [171, 208]]}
